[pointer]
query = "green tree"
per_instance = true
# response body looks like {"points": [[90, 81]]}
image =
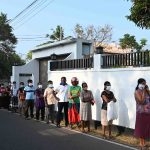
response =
{"points": [[140, 13], [29, 56], [7, 44], [129, 42], [98, 34], [57, 35], [7, 62], [7, 38]]}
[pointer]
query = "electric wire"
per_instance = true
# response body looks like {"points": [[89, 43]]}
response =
{"points": [[46, 5], [29, 12], [23, 10]]}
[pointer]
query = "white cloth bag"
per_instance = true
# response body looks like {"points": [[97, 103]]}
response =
{"points": [[111, 111]]}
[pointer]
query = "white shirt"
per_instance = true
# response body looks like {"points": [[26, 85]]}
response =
{"points": [[14, 90], [62, 93]]}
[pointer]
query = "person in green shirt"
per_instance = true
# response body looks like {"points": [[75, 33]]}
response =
{"points": [[74, 102]]}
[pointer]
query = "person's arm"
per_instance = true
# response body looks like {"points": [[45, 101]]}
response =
{"points": [[140, 98], [45, 98], [114, 99], [92, 99], [24, 91], [105, 98], [54, 94], [82, 97]]}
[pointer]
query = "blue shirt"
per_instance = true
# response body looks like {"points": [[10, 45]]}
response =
{"points": [[30, 92]]}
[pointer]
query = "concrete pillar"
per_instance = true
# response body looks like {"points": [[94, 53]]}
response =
{"points": [[97, 61]]}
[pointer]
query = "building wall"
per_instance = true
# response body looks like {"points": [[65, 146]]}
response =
{"points": [[70, 48], [123, 83], [43, 66], [31, 68], [74, 47]]}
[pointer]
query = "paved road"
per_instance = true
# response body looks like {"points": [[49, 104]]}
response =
{"points": [[16, 133]]}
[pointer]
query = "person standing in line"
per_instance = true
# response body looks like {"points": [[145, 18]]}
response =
{"points": [[39, 102], [21, 99], [2, 95], [74, 102], [50, 101], [142, 124], [107, 96], [62, 94], [14, 97], [29, 92], [85, 108]]}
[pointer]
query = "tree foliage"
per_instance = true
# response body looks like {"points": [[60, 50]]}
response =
{"points": [[8, 57], [29, 56], [7, 38], [99, 33], [129, 42], [140, 13], [57, 35], [7, 62]]}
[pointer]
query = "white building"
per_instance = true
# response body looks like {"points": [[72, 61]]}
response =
{"points": [[117, 69], [37, 68]]}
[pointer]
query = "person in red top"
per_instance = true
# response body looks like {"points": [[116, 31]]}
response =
{"points": [[2, 90]]}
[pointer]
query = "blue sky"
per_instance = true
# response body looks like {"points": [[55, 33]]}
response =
{"points": [[68, 13]]}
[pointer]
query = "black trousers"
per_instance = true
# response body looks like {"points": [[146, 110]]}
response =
{"points": [[62, 105], [51, 113], [40, 112], [29, 104]]}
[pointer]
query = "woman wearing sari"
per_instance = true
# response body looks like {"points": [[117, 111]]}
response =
{"points": [[74, 102]]}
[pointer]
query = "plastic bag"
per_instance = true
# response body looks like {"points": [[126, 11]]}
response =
{"points": [[111, 111]]}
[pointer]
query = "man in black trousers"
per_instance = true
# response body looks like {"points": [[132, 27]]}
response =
{"points": [[62, 94]]}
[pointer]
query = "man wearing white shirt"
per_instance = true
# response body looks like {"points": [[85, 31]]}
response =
{"points": [[14, 97], [62, 94]]}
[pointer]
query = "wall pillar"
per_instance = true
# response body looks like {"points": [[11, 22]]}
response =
{"points": [[97, 61]]}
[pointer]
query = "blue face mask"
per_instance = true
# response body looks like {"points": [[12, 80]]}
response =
{"points": [[63, 83]]}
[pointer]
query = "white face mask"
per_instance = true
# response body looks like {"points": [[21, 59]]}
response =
{"points": [[108, 88], [30, 84], [50, 85], [39, 86], [141, 86]]}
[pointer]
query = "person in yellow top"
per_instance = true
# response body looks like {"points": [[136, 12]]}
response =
{"points": [[50, 101]]}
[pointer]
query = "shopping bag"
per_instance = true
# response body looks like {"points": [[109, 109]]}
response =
{"points": [[111, 111]]}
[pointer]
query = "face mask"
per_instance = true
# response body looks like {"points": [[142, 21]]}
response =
{"points": [[39, 86], [21, 85], [141, 86], [108, 88], [50, 85], [30, 84]]}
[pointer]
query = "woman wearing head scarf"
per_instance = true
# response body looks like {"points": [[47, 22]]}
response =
{"points": [[142, 124], [74, 102]]}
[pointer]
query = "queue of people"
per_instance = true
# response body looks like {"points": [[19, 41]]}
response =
{"points": [[76, 101]]}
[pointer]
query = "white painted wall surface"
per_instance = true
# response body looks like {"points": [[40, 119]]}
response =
{"points": [[123, 83], [30, 68], [70, 48]]}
